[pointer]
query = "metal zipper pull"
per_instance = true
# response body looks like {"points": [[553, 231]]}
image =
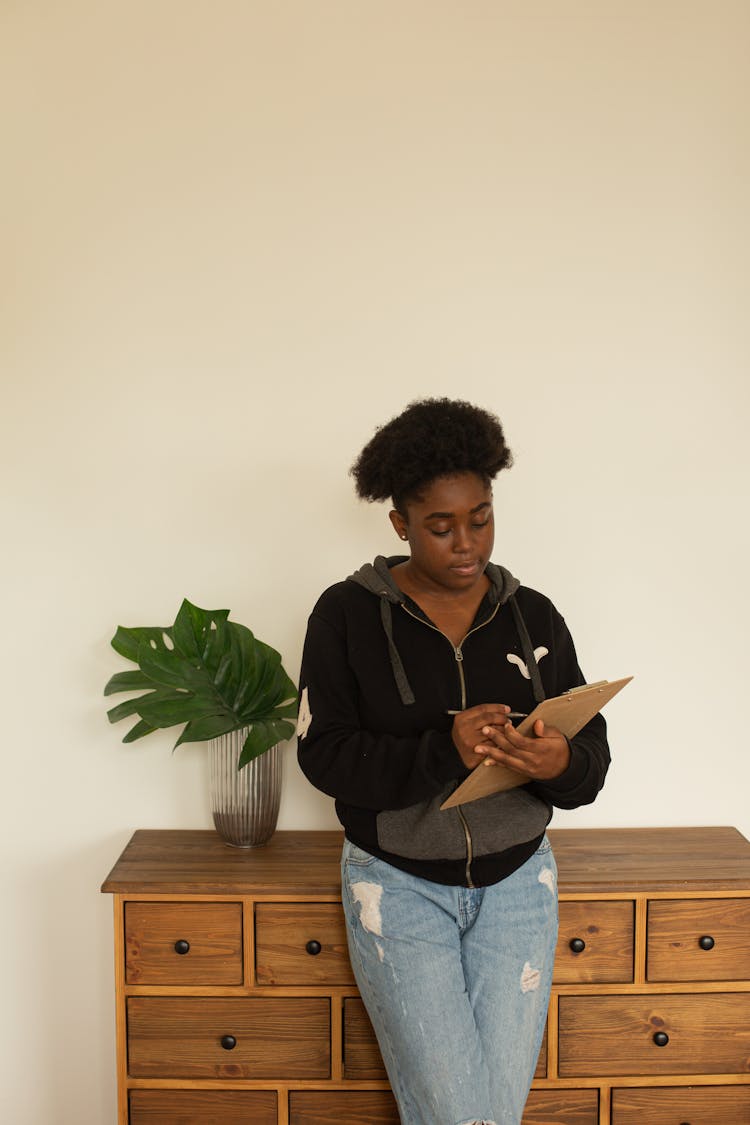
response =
{"points": [[462, 682]]}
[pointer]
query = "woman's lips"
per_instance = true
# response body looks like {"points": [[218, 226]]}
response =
{"points": [[466, 568]]}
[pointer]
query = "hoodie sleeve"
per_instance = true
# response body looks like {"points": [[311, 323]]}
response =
{"points": [[589, 749], [361, 767]]}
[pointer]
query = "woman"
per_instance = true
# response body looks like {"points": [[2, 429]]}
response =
{"points": [[413, 671]]}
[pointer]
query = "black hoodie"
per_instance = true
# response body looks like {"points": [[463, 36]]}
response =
{"points": [[377, 687]]}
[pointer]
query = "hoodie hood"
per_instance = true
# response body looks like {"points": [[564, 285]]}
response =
{"points": [[376, 578]]}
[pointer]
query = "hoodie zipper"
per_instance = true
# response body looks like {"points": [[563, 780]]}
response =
{"points": [[458, 654]]}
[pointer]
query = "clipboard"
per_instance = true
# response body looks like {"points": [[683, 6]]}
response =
{"points": [[568, 712]]}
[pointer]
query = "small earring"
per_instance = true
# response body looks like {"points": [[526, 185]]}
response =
{"points": [[403, 536]]}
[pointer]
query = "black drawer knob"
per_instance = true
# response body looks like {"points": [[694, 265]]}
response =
{"points": [[706, 942], [577, 944], [661, 1038], [228, 1042], [313, 948], [182, 947]]}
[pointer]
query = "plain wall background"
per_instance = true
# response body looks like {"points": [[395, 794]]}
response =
{"points": [[237, 236]]}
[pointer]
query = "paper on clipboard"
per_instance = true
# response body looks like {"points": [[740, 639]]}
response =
{"points": [[568, 712]]}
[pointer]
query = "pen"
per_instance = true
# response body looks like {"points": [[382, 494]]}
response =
{"points": [[511, 715]]}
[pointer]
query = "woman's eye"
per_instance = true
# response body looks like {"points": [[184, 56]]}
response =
{"points": [[440, 532]]}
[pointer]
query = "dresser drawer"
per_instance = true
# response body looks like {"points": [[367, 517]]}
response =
{"points": [[680, 1105], [377, 1107], [275, 1037], [562, 1107], [342, 1107], [699, 940], [706, 1034], [200, 1107], [362, 1058], [595, 943], [301, 943], [183, 943]]}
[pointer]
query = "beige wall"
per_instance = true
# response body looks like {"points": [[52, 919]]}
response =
{"points": [[237, 236]]}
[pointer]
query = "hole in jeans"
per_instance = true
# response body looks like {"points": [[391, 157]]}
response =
{"points": [[368, 896]]}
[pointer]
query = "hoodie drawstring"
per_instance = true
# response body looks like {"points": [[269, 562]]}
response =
{"points": [[399, 674], [528, 652]]}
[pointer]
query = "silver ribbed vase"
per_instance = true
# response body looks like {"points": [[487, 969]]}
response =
{"points": [[244, 803]]}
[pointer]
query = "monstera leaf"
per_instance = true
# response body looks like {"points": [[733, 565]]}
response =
{"points": [[209, 673]]}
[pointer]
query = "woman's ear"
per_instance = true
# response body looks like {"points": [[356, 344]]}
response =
{"points": [[399, 524]]}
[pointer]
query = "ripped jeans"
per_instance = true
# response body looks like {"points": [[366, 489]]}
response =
{"points": [[456, 982]]}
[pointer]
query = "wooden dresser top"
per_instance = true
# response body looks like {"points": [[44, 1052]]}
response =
{"points": [[589, 860]]}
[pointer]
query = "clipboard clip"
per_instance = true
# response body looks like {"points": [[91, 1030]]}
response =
{"points": [[598, 685]]}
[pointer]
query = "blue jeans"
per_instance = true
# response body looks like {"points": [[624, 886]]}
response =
{"points": [[456, 982]]}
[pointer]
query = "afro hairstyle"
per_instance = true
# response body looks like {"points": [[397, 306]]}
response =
{"points": [[431, 438]]}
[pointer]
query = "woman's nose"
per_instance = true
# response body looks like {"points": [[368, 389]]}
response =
{"points": [[461, 542]]}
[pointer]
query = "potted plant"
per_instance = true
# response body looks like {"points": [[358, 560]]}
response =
{"points": [[228, 689]]}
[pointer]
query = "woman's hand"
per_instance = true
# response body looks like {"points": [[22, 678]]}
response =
{"points": [[469, 729], [542, 757]]}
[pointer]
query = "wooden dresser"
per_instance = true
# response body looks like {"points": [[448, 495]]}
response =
{"points": [[236, 1004]]}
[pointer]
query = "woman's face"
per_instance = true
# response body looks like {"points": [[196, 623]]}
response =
{"points": [[450, 530]]}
